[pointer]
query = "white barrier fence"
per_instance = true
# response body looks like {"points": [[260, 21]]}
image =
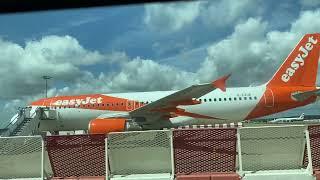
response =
{"points": [[21, 157], [272, 148], [147, 153], [262, 153], [274, 152]]}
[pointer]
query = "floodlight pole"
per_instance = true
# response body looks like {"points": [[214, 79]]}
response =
{"points": [[46, 79]]}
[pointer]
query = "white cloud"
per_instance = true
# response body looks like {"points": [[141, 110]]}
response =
{"points": [[135, 75], [220, 13], [170, 17], [57, 49], [237, 53], [62, 57], [223, 13], [59, 56], [145, 75], [308, 22], [251, 53]]}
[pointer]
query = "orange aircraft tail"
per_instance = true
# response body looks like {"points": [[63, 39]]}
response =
{"points": [[301, 66]]}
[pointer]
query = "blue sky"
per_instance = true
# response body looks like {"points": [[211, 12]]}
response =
{"points": [[111, 49]]}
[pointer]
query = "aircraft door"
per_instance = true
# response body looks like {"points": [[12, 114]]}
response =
{"points": [[269, 98], [130, 105]]}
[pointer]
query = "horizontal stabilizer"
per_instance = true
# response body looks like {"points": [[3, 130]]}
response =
{"points": [[301, 96]]}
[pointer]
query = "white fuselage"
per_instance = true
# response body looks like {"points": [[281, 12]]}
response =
{"points": [[231, 106]]}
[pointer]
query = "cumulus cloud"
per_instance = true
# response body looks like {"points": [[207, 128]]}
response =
{"points": [[307, 23], [145, 75], [223, 13], [59, 56], [238, 53], [252, 53], [65, 59], [220, 13], [170, 17], [136, 75]]}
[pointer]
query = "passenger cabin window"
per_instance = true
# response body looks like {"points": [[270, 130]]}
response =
{"points": [[240, 98], [230, 99], [210, 99], [205, 100], [255, 97], [224, 99], [215, 99], [245, 98], [220, 99], [235, 98], [250, 98]]}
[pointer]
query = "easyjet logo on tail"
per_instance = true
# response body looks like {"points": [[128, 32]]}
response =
{"points": [[77, 102], [299, 60]]}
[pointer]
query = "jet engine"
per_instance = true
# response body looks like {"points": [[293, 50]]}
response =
{"points": [[107, 125]]}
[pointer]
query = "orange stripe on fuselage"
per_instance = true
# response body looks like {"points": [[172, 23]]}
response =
{"points": [[103, 102], [90, 101]]}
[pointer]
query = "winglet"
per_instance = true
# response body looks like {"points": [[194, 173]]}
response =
{"points": [[221, 82]]}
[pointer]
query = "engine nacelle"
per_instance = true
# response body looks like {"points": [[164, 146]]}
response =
{"points": [[107, 125]]}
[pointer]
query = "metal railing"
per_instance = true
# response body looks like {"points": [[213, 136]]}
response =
{"points": [[21, 117]]}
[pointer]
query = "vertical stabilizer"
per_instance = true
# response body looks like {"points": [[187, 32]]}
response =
{"points": [[301, 66]]}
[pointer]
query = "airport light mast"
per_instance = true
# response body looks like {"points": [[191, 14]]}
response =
{"points": [[46, 79]]}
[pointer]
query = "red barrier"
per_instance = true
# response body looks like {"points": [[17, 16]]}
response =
{"points": [[76, 155], [210, 176], [80, 178], [194, 177], [204, 150], [317, 175], [314, 133]]}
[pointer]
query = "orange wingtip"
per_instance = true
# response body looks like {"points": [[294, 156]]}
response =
{"points": [[221, 82]]}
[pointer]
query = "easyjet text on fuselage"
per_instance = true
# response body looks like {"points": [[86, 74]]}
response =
{"points": [[78, 101]]}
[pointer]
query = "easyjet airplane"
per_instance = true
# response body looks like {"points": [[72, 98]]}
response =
{"points": [[293, 85]]}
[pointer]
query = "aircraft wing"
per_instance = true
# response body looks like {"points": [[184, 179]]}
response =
{"points": [[168, 105]]}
